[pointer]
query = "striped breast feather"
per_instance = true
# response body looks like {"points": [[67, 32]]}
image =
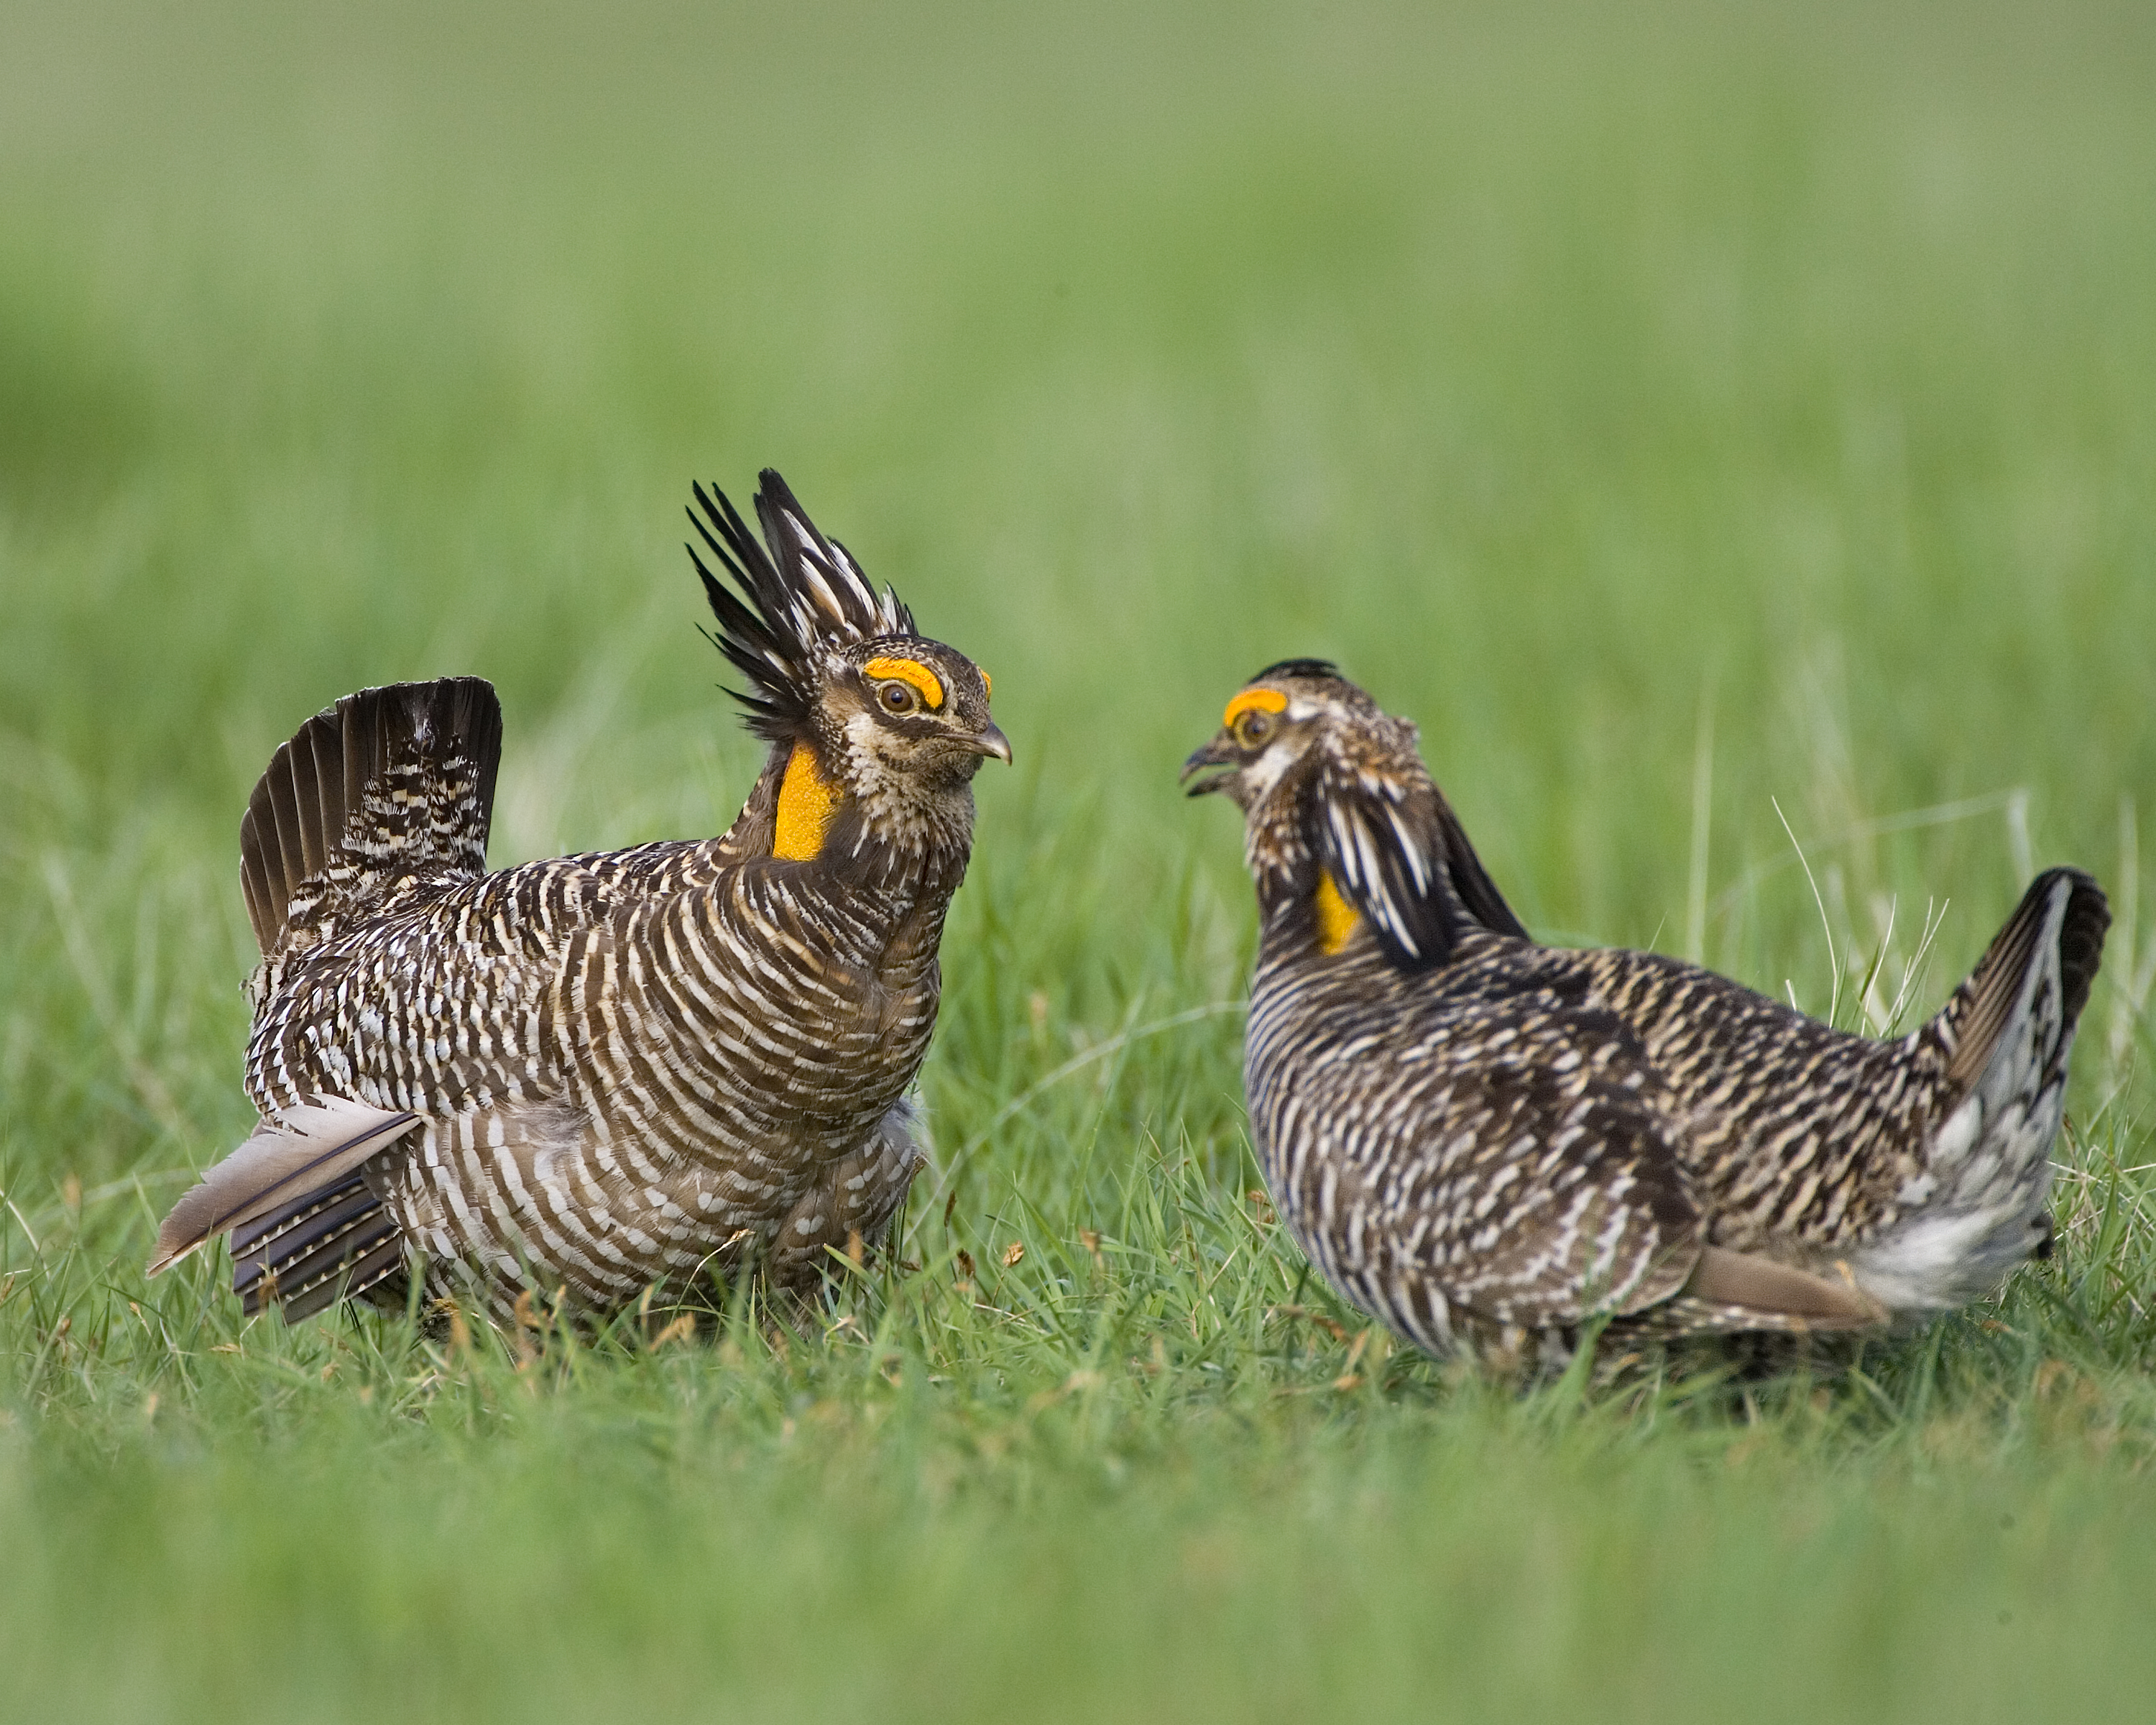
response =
{"points": [[792, 599], [1399, 855]]}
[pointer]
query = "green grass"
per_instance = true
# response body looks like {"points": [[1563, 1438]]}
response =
{"points": [[1693, 418]]}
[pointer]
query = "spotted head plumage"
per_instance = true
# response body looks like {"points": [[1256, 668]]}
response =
{"points": [[877, 729], [1344, 826]]}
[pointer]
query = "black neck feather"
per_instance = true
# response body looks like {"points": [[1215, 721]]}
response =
{"points": [[1397, 853]]}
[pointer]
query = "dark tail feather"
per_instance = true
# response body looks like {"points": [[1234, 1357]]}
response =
{"points": [[337, 1242], [324, 817], [2080, 944], [1985, 1005]]}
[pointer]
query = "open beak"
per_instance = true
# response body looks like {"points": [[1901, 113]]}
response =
{"points": [[1215, 754], [992, 741]]}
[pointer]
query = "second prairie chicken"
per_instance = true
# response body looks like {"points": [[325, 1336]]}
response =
{"points": [[606, 1071], [1480, 1139]]}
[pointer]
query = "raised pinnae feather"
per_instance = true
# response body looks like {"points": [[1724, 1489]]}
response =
{"points": [[800, 595], [849, 609], [761, 637], [816, 570]]}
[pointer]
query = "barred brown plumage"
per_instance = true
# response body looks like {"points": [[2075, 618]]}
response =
{"points": [[1483, 1141], [605, 1071]]}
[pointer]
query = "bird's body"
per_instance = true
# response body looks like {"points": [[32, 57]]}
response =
{"points": [[609, 1088], [606, 1071], [1480, 1139]]}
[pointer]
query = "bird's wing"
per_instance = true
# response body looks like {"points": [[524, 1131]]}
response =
{"points": [[1556, 1177], [1550, 1171]]}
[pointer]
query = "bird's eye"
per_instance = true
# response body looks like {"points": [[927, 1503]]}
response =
{"points": [[1253, 727], [899, 697]]}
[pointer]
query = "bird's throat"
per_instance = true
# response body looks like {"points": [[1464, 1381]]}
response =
{"points": [[808, 803]]}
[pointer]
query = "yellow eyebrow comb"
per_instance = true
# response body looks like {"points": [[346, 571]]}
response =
{"points": [[1264, 700]]}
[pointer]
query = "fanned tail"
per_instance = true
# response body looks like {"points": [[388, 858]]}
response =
{"points": [[388, 782], [2005, 1020], [1977, 1208]]}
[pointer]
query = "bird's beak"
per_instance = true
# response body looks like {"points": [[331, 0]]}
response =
{"points": [[1215, 754], [992, 741]]}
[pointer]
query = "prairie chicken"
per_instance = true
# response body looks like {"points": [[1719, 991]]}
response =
{"points": [[605, 1071], [1483, 1141]]}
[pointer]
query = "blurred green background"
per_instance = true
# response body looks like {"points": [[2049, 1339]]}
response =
{"points": [[1695, 416]]}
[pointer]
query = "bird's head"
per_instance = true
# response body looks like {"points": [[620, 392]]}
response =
{"points": [[1343, 826], [1276, 731], [876, 729]]}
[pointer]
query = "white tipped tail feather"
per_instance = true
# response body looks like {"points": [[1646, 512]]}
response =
{"points": [[1977, 1208], [314, 1143]]}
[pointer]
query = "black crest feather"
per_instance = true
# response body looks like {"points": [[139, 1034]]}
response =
{"points": [[787, 605], [1299, 668]]}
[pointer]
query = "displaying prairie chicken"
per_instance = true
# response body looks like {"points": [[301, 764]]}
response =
{"points": [[606, 1071], [1479, 1140]]}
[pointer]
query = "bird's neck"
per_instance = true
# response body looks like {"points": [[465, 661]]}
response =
{"points": [[898, 838], [1340, 865], [1306, 916]]}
